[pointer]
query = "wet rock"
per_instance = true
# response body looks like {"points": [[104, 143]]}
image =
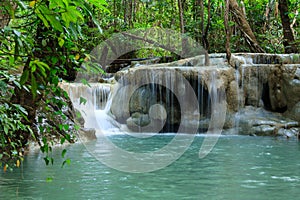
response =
{"points": [[263, 130], [253, 83], [143, 123], [137, 121], [291, 86], [78, 118], [232, 95], [294, 113], [87, 134], [258, 121], [293, 132]]}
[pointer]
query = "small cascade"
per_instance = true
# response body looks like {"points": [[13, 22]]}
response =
{"points": [[91, 101], [257, 90], [183, 92]]}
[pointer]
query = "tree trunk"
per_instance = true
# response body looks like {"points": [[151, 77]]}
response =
{"points": [[197, 17], [115, 14], [289, 40], [244, 26], [227, 31], [184, 50], [202, 22], [181, 16], [205, 31], [130, 10]]}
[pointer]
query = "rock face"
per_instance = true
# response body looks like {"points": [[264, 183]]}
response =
{"points": [[262, 94]]}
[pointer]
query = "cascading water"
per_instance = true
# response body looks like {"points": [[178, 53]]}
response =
{"points": [[92, 101], [157, 93]]}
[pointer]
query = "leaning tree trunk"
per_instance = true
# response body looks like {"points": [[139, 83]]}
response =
{"points": [[244, 26], [289, 40]]}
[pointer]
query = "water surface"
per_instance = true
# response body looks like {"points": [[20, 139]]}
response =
{"points": [[239, 167]]}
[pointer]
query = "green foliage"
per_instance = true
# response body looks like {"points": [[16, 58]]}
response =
{"points": [[42, 44], [11, 145]]}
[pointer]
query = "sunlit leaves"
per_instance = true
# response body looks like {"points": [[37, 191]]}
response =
{"points": [[71, 15], [18, 163], [67, 161], [61, 13], [32, 3], [49, 179]]}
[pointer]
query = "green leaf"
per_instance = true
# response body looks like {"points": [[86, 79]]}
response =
{"points": [[88, 9], [21, 4], [63, 153], [17, 84], [82, 101], [24, 77], [47, 160], [66, 127], [20, 108], [67, 161], [33, 68], [77, 127], [60, 126], [5, 129], [44, 43], [54, 60], [62, 140], [55, 80], [42, 65], [66, 2], [61, 42], [85, 82], [44, 20], [33, 86], [99, 4], [49, 179], [55, 23]]}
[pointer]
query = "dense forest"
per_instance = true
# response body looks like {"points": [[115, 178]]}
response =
{"points": [[43, 42]]}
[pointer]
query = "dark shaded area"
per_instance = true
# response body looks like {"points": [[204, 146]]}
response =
{"points": [[267, 100], [204, 100], [266, 96], [152, 94]]}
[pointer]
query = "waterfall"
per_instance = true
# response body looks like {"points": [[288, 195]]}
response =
{"points": [[174, 89], [92, 101], [156, 98]]}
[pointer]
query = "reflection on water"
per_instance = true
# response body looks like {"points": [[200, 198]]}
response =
{"points": [[239, 167]]}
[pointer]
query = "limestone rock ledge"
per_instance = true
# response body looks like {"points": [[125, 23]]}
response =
{"points": [[262, 93]]}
